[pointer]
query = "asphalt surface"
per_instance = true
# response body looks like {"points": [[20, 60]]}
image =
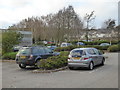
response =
{"points": [[101, 77]]}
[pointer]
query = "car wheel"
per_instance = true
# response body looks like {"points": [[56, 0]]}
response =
{"points": [[102, 63], [71, 68], [23, 66], [91, 66]]}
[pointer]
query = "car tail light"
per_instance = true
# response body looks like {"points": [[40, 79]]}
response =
{"points": [[68, 58], [86, 58]]}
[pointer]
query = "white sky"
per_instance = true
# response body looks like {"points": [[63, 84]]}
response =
{"points": [[13, 11]]}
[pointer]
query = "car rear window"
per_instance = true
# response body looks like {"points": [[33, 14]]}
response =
{"points": [[24, 51], [77, 53], [38, 50]]}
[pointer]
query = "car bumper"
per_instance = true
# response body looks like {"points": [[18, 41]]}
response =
{"points": [[78, 65], [26, 62]]}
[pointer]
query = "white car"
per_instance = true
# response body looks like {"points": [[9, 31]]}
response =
{"points": [[85, 57], [65, 44]]}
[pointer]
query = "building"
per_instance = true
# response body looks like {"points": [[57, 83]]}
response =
{"points": [[119, 13], [26, 37]]}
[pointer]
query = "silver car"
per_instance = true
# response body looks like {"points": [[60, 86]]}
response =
{"points": [[104, 44], [85, 57]]}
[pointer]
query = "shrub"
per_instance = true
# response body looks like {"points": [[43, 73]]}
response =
{"points": [[54, 61], [9, 39], [69, 48], [9, 56], [64, 53], [97, 47], [114, 48]]}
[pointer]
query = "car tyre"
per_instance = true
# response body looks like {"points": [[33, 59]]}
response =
{"points": [[71, 68], [22, 66], [91, 66]]}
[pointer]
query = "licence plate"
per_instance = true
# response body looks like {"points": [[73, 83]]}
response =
{"points": [[76, 58], [22, 57]]}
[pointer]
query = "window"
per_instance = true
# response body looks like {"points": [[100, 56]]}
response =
{"points": [[47, 50], [25, 51], [35, 51], [96, 51], [84, 53], [91, 51], [77, 53], [41, 51]]}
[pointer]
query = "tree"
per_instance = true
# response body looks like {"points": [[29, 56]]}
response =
{"points": [[9, 39], [109, 24], [56, 27], [88, 18]]}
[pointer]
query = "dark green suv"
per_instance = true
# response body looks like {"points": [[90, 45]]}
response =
{"points": [[30, 56]]}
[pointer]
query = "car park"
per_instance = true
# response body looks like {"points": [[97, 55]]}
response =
{"points": [[85, 57], [30, 56]]}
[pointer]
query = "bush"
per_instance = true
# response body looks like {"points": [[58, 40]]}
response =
{"points": [[97, 47], [54, 61], [69, 48], [9, 56], [114, 48], [64, 53], [9, 39]]}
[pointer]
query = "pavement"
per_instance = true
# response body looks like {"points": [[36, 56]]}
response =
{"points": [[101, 77]]}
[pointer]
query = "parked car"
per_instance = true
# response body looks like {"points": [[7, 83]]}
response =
{"points": [[30, 56], [52, 47], [64, 44], [85, 57], [16, 48], [80, 43], [104, 44]]}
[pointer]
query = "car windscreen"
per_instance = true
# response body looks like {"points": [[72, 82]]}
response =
{"points": [[24, 51], [76, 53]]}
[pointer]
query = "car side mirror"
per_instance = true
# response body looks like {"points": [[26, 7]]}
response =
{"points": [[51, 52]]}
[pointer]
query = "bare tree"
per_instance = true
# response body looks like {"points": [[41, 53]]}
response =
{"points": [[88, 18]]}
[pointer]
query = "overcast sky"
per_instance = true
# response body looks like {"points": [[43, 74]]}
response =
{"points": [[13, 11]]}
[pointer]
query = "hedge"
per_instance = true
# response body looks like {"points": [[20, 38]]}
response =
{"points": [[9, 56], [114, 48], [66, 48], [98, 47], [97, 42], [69, 48], [54, 61]]}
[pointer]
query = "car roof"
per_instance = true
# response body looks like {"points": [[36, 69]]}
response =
{"points": [[83, 48], [33, 46]]}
